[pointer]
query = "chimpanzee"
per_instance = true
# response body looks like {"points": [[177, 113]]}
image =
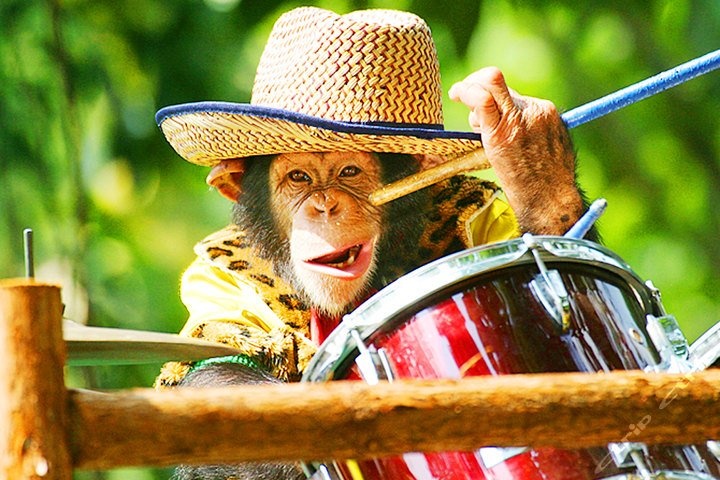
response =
{"points": [[341, 105]]}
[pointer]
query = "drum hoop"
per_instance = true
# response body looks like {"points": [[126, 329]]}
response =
{"points": [[448, 272]]}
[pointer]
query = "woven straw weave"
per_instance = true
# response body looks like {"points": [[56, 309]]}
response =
{"points": [[319, 73], [368, 66]]}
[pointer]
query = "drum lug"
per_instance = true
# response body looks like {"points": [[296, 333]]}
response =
{"points": [[372, 363], [548, 288], [630, 454], [666, 335], [671, 344]]}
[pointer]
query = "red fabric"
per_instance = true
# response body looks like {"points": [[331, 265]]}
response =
{"points": [[321, 326]]}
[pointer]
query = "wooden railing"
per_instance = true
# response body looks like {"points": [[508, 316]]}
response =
{"points": [[47, 431]]}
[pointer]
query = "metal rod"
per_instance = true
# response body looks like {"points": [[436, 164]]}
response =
{"points": [[642, 90], [29, 254], [586, 222]]}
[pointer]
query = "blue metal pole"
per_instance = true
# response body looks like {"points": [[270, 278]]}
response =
{"points": [[642, 90]]}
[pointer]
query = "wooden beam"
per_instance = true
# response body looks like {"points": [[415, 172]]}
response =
{"points": [[33, 399], [354, 420]]}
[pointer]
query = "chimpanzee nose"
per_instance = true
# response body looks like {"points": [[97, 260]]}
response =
{"points": [[325, 201]]}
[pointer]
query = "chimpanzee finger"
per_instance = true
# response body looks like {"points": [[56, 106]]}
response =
{"points": [[488, 97], [484, 113]]}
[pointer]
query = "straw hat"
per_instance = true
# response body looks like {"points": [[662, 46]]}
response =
{"points": [[366, 81]]}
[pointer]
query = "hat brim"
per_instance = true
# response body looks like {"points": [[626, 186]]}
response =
{"points": [[205, 133]]}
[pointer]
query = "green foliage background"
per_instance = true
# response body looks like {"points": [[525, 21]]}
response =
{"points": [[116, 211]]}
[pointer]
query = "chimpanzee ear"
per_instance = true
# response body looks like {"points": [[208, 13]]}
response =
{"points": [[226, 177]]}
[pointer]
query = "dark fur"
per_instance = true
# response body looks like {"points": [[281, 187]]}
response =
{"points": [[223, 374]]}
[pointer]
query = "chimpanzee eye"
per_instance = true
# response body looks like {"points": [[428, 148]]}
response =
{"points": [[350, 171], [299, 176]]}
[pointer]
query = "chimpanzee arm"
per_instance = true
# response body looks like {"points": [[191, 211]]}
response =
{"points": [[220, 374]]}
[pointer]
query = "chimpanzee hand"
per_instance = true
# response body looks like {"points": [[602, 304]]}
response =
{"points": [[529, 148]]}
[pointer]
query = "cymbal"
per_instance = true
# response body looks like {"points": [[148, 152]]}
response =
{"points": [[88, 346]]}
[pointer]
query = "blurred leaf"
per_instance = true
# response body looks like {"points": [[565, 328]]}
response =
{"points": [[459, 17]]}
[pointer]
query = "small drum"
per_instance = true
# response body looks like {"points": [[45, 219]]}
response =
{"points": [[531, 305]]}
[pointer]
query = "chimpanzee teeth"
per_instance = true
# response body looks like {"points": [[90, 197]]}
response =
{"points": [[351, 256]]}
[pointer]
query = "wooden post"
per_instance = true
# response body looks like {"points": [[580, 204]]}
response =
{"points": [[34, 441]]}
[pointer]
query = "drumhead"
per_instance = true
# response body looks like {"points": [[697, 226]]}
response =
{"points": [[419, 288]]}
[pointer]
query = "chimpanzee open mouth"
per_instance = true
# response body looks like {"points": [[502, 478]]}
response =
{"points": [[339, 259]]}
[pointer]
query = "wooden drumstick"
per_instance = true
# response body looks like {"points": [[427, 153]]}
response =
{"points": [[476, 160], [473, 161]]}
